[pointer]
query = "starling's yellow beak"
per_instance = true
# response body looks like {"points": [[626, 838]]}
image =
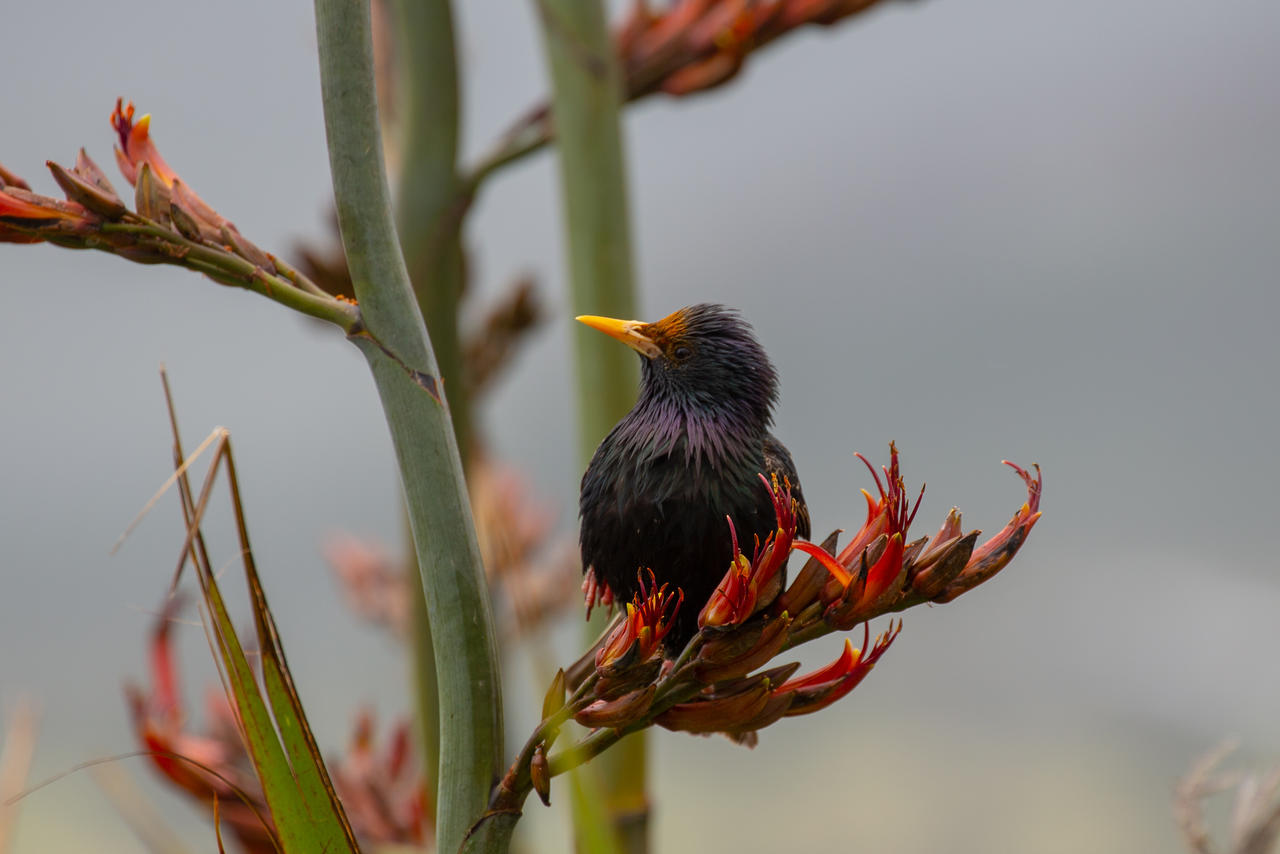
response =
{"points": [[627, 331]]}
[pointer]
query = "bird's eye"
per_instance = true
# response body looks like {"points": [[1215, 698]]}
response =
{"points": [[682, 353]]}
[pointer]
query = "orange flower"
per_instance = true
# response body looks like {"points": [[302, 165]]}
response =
{"points": [[995, 554], [695, 45], [888, 517], [739, 594], [26, 217], [140, 161], [639, 636], [821, 688], [136, 146], [877, 570], [1019, 526]]}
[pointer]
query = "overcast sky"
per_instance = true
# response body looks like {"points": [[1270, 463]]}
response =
{"points": [[997, 229]]}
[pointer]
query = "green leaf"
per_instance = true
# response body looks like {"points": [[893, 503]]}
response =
{"points": [[313, 782], [288, 807], [304, 806]]}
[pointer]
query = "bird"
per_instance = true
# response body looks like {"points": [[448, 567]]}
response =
{"points": [[689, 453]]}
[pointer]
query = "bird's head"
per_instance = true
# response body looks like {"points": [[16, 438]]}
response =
{"points": [[702, 356]]}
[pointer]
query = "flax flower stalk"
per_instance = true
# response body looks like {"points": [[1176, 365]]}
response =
{"points": [[425, 85], [586, 87], [431, 470]]}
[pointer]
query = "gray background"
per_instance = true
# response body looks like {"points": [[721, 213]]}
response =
{"points": [[995, 229]]}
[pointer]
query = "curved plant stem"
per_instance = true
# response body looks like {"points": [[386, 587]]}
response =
{"points": [[426, 684], [585, 80], [587, 88], [428, 203], [426, 90], [287, 287], [430, 468]]}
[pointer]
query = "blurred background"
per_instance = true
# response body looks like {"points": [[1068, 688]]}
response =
{"points": [[995, 229]]}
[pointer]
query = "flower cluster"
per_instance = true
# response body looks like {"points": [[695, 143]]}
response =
{"points": [[169, 224], [26, 217], [694, 45], [878, 572], [749, 583], [724, 679], [162, 196], [646, 622]]}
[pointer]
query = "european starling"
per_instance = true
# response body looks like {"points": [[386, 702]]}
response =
{"points": [[690, 453]]}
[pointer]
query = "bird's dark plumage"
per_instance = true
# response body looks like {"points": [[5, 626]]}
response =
{"points": [[690, 453]]}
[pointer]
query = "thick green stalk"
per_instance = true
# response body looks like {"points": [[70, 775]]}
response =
{"points": [[430, 468], [586, 95], [586, 91], [426, 685], [425, 84], [429, 205]]}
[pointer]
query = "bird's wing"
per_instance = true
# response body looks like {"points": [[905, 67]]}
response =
{"points": [[778, 462]]}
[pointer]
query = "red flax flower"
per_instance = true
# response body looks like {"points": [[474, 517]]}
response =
{"points": [[26, 217], [746, 587], [740, 706], [163, 196], [821, 688], [136, 147], [878, 572], [629, 659], [873, 560], [168, 214], [639, 636], [694, 45], [995, 554]]}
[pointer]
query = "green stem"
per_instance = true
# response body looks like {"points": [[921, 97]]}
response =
{"points": [[229, 269], [587, 87], [428, 200], [430, 468], [585, 81], [426, 684], [426, 90]]}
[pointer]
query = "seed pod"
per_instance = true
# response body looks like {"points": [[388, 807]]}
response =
{"points": [[540, 774]]}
